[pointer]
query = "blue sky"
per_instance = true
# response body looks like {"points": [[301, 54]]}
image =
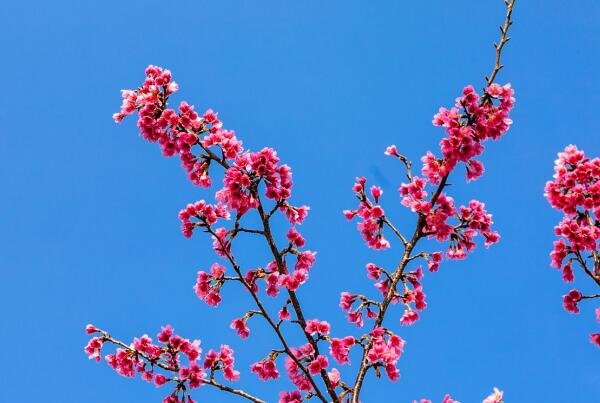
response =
{"points": [[90, 210]]}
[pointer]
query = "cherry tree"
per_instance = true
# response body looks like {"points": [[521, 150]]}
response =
{"points": [[257, 188]]}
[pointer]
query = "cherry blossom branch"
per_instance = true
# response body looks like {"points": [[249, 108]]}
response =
{"points": [[178, 134], [263, 311], [575, 191], [292, 296], [106, 338], [251, 177], [398, 275]]}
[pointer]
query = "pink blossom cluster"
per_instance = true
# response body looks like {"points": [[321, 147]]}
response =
{"points": [[570, 301], [318, 364], [208, 286], [468, 124], [481, 118], [222, 360], [290, 397], [417, 297], [372, 215], [386, 351], [200, 214], [412, 296], [177, 132], [294, 372], [315, 326], [473, 120], [146, 357], [472, 219], [241, 327], [575, 191], [292, 280], [364, 306], [265, 369], [340, 349]]}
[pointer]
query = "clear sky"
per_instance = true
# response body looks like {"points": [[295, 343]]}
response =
{"points": [[89, 209]]}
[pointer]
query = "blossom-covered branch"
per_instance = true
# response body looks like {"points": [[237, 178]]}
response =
{"points": [[257, 188], [162, 363], [575, 191], [472, 121], [248, 178]]}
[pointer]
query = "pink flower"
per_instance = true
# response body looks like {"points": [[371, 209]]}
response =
{"points": [[295, 238], [296, 376], [208, 286], [376, 192], [392, 151], [466, 130], [144, 344], [203, 215], [347, 300], [315, 326], [147, 376], [94, 348], [340, 349], [334, 377], [433, 168], [160, 380], [90, 329], [290, 397], [474, 170], [305, 260], [265, 370], [295, 215], [226, 358], [568, 276], [165, 334], [434, 262], [242, 328], [273, 284], [559, 253], [495, 397], [284, 314], [414, 195], [122, 362], [194, 375], [570, 301], [318, 364], [387, 351], [374, 271], [409, 317]]}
